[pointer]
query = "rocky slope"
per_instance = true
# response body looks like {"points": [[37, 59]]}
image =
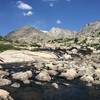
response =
{"points": [[93, 27], [30, 34], [27, 34]]}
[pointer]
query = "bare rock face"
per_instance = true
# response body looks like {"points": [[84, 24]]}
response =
{"points": [[4, 95], [22, 76], [43, 76], [13, 56], [60, 33], [70, 74]]}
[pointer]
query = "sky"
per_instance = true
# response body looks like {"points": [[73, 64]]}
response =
{"points": [[45, 14]]}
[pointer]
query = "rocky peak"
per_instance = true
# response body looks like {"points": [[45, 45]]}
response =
{"points": [[60, 33], [91, 27], [27, 34]]}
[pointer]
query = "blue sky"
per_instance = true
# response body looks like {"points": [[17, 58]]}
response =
{"points": [[45, 14]]}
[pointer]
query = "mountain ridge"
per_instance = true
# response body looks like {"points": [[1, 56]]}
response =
{"points": [[32, 34]]}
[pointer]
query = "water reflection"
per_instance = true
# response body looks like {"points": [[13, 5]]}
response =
{"points": [[75, 91]]}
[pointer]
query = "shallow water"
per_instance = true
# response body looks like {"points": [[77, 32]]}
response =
{"points": [[47, 92], [76, 90]]}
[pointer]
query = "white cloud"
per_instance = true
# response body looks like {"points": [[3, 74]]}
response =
{"points": [[58, 21], [23, 6], [29, 13], [51, 4]]}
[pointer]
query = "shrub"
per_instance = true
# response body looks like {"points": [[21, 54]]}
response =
{"points": [[76, 40], [35, 45]]}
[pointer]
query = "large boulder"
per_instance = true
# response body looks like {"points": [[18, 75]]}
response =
{"points": [[3, 73], [52, 72], [22, 76], [4, 82], [70, 74], [43, 76], [87, 78], [15, 85], [4, 95]]}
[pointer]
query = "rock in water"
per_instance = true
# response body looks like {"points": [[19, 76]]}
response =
{"points": [[15, 85], [55, 85], [1, 67], [43, 76], [3, 73], [87, 78], [4, 95], [52, 72], [22, 76], [4, 82], [70, 74]]}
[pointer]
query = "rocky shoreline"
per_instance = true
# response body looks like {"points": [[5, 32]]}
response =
{"points": [[75, 71]]}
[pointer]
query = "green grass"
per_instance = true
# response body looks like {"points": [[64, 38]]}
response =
{"points": [[4, 47]]}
